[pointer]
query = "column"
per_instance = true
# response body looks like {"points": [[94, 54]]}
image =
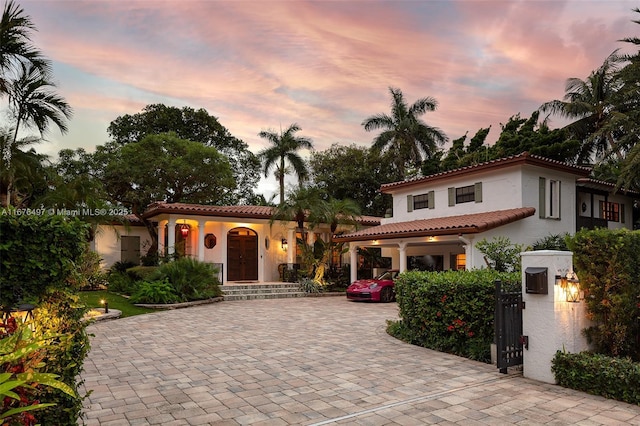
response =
{"points": [[402, 247], [353, 258], [161, 234], [291, 246], [201, 234], [171, 243]]}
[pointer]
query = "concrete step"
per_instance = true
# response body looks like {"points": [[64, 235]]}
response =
{"points": [[261, 291]]}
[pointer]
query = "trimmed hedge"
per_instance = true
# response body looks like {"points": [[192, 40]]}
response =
{"points": [[450, 311], [615, 378], [608, 265]]}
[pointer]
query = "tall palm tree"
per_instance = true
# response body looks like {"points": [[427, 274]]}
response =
{"points": [[15, 44], [410, 138], [336, 212], [591, 103], [283, 149], [33, 102]]}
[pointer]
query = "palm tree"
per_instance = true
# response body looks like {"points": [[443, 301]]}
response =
{"points": [[591, 103], [301, 205], [33, 102], [336, 212], [284, 149], [411, 139], [15, 44], [26, 172]]}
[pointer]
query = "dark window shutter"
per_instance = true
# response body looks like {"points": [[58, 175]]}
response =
{"points": [[432, 199], [409, 203], [452, 197], [542, 197], [478, 192]]}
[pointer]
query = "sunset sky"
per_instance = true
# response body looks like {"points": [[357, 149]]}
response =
{"points": [[325, 65]]}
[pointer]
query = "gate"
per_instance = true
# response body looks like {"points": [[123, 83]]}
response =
{"points": [[508, 328]]}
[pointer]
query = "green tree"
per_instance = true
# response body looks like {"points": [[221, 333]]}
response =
{"points": [[628, 97], [337, 212], [353, 172], [16, 47], [409, 138], [591, 103], [198, 126], [284, 149], [301, 204], [161, 168], [525, 134], [27, 174]]}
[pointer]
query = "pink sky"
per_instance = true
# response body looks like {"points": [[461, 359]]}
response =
{"points": [[325, 65]]}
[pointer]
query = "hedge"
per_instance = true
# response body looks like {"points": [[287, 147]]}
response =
{"points": [[616, 378], [450, 311]]}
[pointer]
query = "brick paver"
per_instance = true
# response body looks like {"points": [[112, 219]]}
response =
{"points": [[309, 361]]}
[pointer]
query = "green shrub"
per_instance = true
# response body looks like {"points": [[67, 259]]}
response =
{"points": [[190, 278], [121, 266], [450, 311], [61, 313], [615, 378], [552, 242], [500, 254], [88, 275], [155, 292], [310, 286], [121, 282], [37, 253], [608, 266], [141, 273]]}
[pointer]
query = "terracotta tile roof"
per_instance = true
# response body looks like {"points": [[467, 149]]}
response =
{"points": [[452, 225], [520, 159], [253, 212], [607, 186]]}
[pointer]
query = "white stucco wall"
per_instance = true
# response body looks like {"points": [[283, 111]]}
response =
{"points": [[550, 322], [107, 241]]}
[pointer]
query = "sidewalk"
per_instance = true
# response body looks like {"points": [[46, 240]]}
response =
{"points": [[306, 361]]}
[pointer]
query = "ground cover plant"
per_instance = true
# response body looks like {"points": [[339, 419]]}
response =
{"points": [[449, 311], [93, 299]]}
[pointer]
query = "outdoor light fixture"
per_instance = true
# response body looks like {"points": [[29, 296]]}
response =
{"points": [[570, 285], [106, 306], [184, 230], [283, 244], [572, 289]]}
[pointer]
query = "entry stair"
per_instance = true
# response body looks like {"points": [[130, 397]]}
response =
{"points": [[279, 290]]}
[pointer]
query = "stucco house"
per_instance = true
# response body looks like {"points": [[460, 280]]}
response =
{"points": [[438, 219], [240, 240]]}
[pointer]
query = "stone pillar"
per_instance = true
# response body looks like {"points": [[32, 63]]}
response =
{"points": [[402, 247], [291, 246], [548, 320], [161, 232], [353, 254]]}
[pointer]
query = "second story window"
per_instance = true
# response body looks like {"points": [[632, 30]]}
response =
{"points": [[549, 207], [422, 201], [465, 194], [610, 211]]}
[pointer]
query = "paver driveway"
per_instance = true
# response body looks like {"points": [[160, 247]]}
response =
{"points": [[306, 361]]}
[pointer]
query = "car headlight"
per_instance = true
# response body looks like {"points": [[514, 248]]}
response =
{"points": [[372, 286]]}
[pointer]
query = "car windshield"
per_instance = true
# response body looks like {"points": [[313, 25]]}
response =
{"points": [[386, 275]]}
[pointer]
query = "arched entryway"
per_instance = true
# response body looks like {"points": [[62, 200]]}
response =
{"points": [[242, 254]]}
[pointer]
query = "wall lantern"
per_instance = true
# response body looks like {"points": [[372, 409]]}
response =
{"points": [[570, 284], [284, 244], [184, 230]]}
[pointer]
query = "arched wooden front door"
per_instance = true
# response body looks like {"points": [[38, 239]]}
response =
{"points": [[242, 255]]}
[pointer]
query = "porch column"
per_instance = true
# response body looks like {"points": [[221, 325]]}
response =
{"points": [[161, 234], [353, 258], [402, 247], [468, 249], [201, 223], [171, 243], [291, 246]]}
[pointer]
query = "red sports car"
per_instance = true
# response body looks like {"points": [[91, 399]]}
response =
{"points": [[378, 289]]}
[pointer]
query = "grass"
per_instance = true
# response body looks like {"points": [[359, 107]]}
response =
{"points": [[93, 300]]}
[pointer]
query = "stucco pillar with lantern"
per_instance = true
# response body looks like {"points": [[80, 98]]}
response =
{"points": [[552, 320]]}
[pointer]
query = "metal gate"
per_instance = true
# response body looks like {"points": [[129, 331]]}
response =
{"points": [[508, 328]]}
